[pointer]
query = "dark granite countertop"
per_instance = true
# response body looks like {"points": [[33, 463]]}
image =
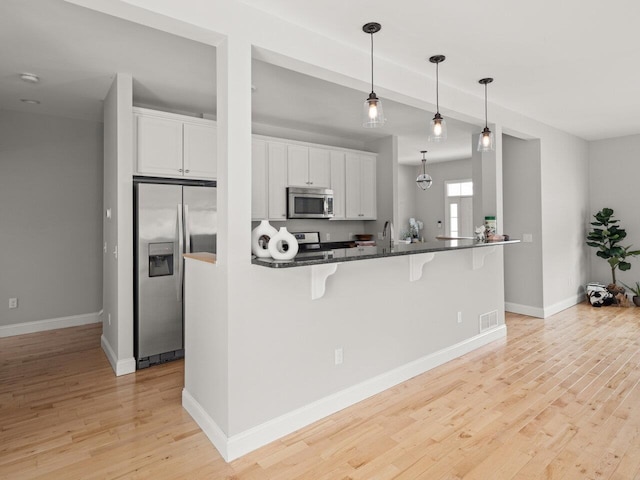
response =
{"points": [[340, 255]]}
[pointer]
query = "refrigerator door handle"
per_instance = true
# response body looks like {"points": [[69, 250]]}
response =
{"points": [[187, 233], [179, 262]]}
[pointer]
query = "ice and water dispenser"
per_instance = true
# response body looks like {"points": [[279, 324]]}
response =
{"points": [[160, 259]]}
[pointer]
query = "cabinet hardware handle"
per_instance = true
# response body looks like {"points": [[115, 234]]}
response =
{"points": [[187, 171], [180, 170]]}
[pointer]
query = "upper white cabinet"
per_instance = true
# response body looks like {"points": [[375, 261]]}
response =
{"points": [[360, 182], [259, 180], [174, 145], [200, 150], [338, 184], [278, 164], [277, 161], [308, 166]]}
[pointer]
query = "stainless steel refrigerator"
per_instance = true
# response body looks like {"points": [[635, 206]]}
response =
{"points": [[171, 218]]}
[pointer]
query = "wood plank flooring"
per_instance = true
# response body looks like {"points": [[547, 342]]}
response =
{"points": [[558, 399]]}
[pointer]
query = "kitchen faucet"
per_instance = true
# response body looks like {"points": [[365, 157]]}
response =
{"points": [[388, 225]]}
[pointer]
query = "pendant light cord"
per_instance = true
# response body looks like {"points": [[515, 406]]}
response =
{"points": [[437, 89], [486, 122], [371, 61]]}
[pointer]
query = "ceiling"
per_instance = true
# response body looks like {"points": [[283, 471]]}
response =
{"points": [[571, 64], [76, 51], [563, 63]]}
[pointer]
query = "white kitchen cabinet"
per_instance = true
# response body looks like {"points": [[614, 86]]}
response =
{"points": [[259, 180], [338, 184], [360, 186], [174, 145], [200, 145], [308, 166], [277, 185]]}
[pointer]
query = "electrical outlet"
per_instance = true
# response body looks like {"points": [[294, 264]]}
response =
{"points": [[338, 356], [13, 303], [380, 237], [459, 317], [109, 318], [527, 238], [327, 237], [105, 247]]}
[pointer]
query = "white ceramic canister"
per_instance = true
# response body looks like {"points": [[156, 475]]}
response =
{"points": [[260, 237], [277, 243]]}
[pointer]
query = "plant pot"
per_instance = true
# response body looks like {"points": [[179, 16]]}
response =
{"points": [[636, 300]]}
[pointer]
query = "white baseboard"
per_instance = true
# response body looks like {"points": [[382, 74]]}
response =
{"points": [[563, 305], [210, 428], [240, 444], [524, 309], [120, 367], [50, 324]]}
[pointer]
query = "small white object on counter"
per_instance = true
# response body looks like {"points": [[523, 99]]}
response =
{"points": [[277, 242], [260, 238]]}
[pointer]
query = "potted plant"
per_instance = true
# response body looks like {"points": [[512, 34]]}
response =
{"points": [[606, 237], [636, 293]]}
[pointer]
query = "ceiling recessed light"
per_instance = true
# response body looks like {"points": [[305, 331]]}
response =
{"points": [[30, 77], [28, 100]]}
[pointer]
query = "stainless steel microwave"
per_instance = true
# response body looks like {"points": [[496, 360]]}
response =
{"points": [[309, 202]]}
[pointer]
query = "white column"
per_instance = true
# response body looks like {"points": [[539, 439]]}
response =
{"points": [[234, 150]]}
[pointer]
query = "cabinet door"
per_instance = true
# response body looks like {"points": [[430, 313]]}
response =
{"points": [[368, 207], [277, 161], [319, 168], [259, 171], [352, 187], [200, 150], [337, 184], [159, 145], [298, 165]]}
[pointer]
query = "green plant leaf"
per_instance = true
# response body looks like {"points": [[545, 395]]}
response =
{"points": [[602, 254], [593, 244], [624, 266]]}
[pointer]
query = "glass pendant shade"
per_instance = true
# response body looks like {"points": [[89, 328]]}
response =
{"points": [[424, 180], [372, 115], [485, 141], [438, 129]]}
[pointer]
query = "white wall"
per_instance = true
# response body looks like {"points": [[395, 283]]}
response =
{"points": [[565, 213], [117, 324], [430, 202], [50, 217], [614, 171], [408, 194], [386, 183], [522, 214]]}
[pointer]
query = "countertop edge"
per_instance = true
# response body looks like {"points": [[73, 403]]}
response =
{"points": [[202, 257], [270, 263]]}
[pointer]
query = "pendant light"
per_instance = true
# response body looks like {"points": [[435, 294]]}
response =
{"points": [[424, 180], [485, 142], [438, 127], [373, 116]]}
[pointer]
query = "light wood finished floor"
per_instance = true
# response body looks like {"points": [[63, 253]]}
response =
{"points": [[559, 399]]}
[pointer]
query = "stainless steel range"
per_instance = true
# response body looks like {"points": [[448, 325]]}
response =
{"points": [[310, 246]]}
